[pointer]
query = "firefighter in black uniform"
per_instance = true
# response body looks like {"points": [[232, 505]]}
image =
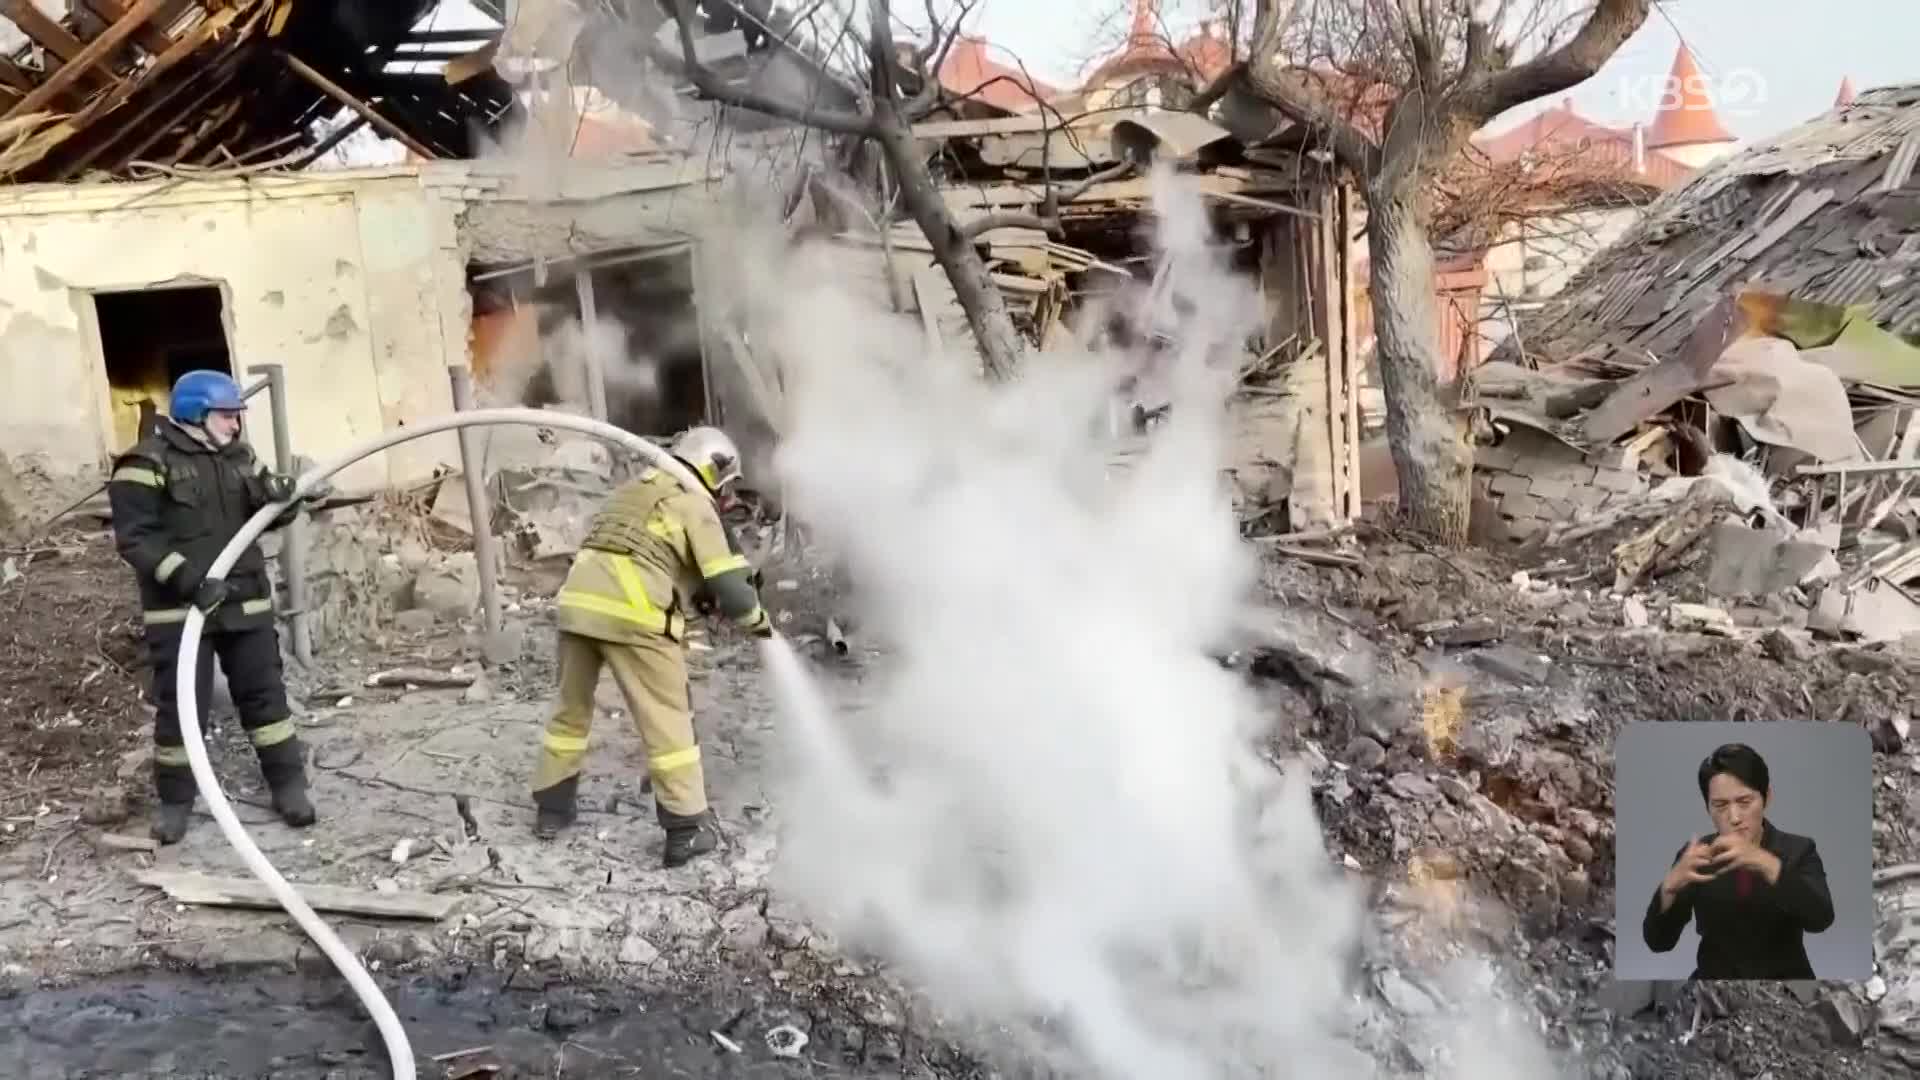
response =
{"points": [[178, 497]]}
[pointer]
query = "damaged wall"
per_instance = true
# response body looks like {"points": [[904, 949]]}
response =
{"points": [[1530, 482], [326, 275]]}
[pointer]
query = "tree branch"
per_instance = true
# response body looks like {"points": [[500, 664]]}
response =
{"points": [[712, 86], [1008, 219], [1288, 90], [1607, 28], [1209, 95]]}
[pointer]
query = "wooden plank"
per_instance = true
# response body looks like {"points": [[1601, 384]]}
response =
{"points": [[1026, 124], [194, 888], [166, 62], [1657, 387], [92, 53], [149, 34], [367, 112], [50, 36]]}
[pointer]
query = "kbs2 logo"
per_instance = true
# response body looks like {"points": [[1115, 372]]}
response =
{"points": [[1739, 90]]}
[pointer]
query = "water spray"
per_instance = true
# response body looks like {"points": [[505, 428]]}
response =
{"points": [[399, 1050]]}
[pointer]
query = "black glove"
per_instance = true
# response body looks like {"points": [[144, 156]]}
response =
{"points": [[763, 631], [210, 595], [277, 487]]}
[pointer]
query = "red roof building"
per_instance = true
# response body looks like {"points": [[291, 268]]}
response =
{"points": [[1687, 124], [969, 72], [1564, 137]]}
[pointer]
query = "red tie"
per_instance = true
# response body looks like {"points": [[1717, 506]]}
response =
{"points": [[1742, 883]]}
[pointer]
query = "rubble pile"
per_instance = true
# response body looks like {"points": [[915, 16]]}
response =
{"points": [[1457, 712], [72, 686]]}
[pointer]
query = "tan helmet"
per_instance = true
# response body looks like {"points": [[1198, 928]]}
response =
{"points": [[710, 454]]}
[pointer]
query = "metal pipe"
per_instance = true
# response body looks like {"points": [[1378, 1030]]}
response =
{"points": [[293, 542], [479, 510], [596, 368], [399, 1049]]}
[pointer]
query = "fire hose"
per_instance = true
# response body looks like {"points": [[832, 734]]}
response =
{"points": [[399, 1050]]}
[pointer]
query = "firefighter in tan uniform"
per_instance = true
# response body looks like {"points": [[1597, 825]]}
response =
{"points": [[653, 548]]}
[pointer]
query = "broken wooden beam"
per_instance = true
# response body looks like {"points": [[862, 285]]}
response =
{"points": [[194, 888], [165, 62], [419, 676], [150, 34], [47, 33], [92, 53], [365, 111]]}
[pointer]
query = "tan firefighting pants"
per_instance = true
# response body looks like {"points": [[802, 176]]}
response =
{"points": [[653, 679]]}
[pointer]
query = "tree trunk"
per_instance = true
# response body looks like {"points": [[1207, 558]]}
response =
{"points": [[1426, 428], [979, 297]]}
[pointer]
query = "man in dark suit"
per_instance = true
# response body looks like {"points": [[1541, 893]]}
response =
{"points": [[1751, 890]]}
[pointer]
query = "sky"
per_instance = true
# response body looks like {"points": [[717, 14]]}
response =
{"points": [[1782, 59], [1775, 62]]}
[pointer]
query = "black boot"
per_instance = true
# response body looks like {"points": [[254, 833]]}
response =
{"points": [[557, 807], [290, 799], [170, 822], [688, 837]]}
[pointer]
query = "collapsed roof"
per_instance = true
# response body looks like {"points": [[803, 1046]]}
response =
{"points": [[1827, 212], [104, 86]]}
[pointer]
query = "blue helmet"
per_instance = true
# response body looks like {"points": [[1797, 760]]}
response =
{"points": [[198, 393]]}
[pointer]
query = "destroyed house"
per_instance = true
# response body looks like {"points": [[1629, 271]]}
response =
{"points": [[1283, 219], [1768, 310], [161, 217]]}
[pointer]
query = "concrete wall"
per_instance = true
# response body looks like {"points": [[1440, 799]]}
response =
{"points": [[355, 282]]}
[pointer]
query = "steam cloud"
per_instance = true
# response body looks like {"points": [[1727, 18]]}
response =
{"points": [[1052, 815]]}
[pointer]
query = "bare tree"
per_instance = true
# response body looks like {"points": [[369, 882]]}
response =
{"points": [[1393, 90], [897, 86]]}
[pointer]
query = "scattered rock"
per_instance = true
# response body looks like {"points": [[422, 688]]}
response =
{"points": [[1412, 786], [1703, 618], [1454, 788], [1513, 664], [450, 586], [415, 621], [1789, 646], [1633, 613], [1364, 753], [479, 693], [1890, 731], [1846, 1018]]}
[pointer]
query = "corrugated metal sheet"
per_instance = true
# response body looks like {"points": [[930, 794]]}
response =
{"points": [[1900, 165]]}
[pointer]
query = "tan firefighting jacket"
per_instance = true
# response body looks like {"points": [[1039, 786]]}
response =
{"points": [[647, 552]]}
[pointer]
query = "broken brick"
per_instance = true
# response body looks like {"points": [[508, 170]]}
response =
{"points": [[1510, 484]]}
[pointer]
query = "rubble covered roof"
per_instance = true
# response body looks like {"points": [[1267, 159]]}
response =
{"points": [[105, 85], [1828, 211]]}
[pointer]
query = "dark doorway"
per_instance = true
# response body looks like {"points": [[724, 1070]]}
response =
{"points": [[149, 338]]}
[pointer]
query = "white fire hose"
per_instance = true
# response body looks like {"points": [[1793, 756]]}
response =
{"points": [[399, 1050]]}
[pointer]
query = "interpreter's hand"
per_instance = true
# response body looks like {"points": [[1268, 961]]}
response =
{"points": [[1694, 867], [1735, 851], [210, 595]]}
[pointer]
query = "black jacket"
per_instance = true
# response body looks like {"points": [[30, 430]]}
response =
{"points": [[176, 502], [1756, 937]]}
